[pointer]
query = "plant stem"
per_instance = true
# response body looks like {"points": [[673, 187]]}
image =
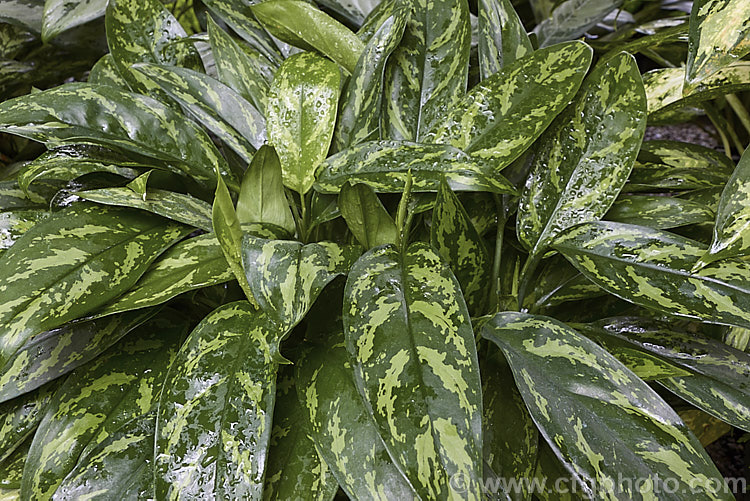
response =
{"points": [[715, 120], [403, 208], [295, 213], [496, 285], [740, 110]]}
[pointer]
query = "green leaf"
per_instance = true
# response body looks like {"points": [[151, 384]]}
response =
{"points": [[262, 196], [361, 102], [366, 217], [502, 37], [718, 37], [80, 113], [105, 72], [61, 15], [96, 400], [55, 272], [11, 469], [56, 352], [192, 264], [412, 348], [301, 114], [20, 417], [214, 421], [457, 241], [15, 223], [427, 73], [572, 18], [652, 178], [294, 470], [169, 204], [684, 155], [602, 422], [214, 105], [557, 282], [139, 185], [651, 268], [510, 436], [585, 159], [385, 165], [351, 447], [303, 25], [666, 93], [716, 377], [25, 13], [120, 467], [732, 230], [503, 115], [287, 276], [246, 71], [658, 211]]}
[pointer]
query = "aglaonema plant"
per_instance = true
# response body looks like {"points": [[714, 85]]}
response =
{"points": [[376, 252]]}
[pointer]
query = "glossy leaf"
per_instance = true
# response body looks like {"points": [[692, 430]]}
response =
{"points": [[105, 72], [96, 400], [11, 469], [301, 115], [366, 217], [503, 115], [361, 102], [652, 178], [557, 282], [80, 113], [61, 15], [658, 211], [732, 229], [572, 18], [262, 196], [651, 268], [428, 72], [246, 71], [342, 428], [602, 422], [385, 165], [55, 272], [584, 160], [56, 352], [305, 26], [454, 237], [169, 204], [684, 155], [716, 377], [287, 276], [502, 37], [407, 328], [294, 469], [20, 417], [718, 37], [214, 420], [217, 107], [15, 223]]}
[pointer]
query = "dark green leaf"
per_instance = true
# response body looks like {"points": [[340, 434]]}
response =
{"points": [[105, 72], [20, 417], [658, 211], [410, 338], [366, 217], [572, 18], [11, 470], [15, 223], [61, 15], [502, 37]]}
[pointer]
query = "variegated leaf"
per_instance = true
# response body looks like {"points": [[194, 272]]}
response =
{"points": [[96, 400], [654, 178], [62, 15], [652, 268], [556, 282], [502, 37], [11, 470], [666, 93], [603, 422], [248, 72], [287, 276], [214, 105], [20, 417], [385, 165], [585, 159], [80, 113], [732, 230], [169, 204], [14, 223], [55, 272], [262, 196], [407, 328], [428, 72], [572, 18], [301, 114], [715, 377], [361, 102], [503, 115], [366, 217], [684, 155], [305, 26], [214, 419], [105, 72], [13, 197], [295, 470], [719, 35], [510, 436], [342, 427], [56, 352], [658, 211], [457, 241], [120, 467]]}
